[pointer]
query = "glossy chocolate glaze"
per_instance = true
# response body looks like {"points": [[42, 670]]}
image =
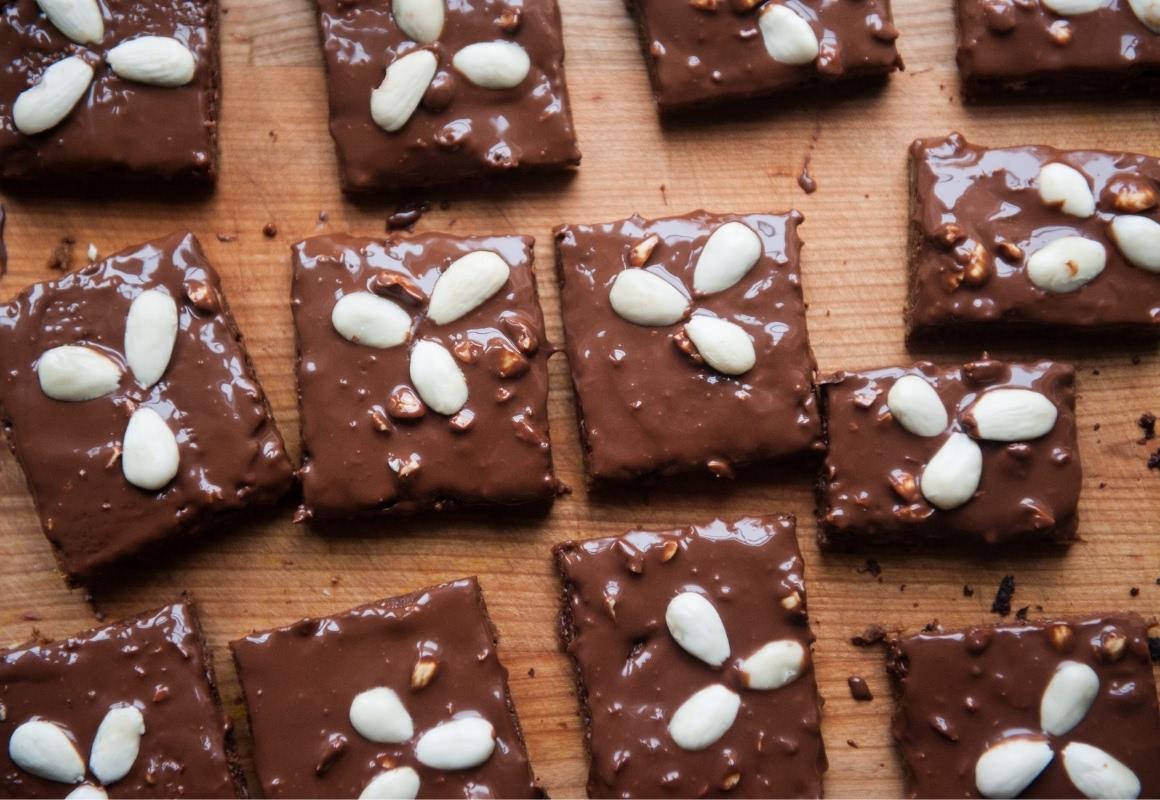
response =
{"points": [[990, 197], [632, 382], [960, 692], [119, 128], [156, 662], [232, 455], [1010, 43], [696, 57], [354, 449], [632, 675], [1028, 490], [459, 130], [299, 682]]}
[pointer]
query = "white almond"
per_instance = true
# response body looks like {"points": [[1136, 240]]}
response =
{"points": [[1065, 264], [396, 98], [367, 319], [437, 378], [87, 791], [644, 298], [117, 744], [150, 333], [466, 285], [422, 20], [76, 373], [1012, 415], [79, 20], [1009, 767], [695, 624], [401, 783], [155, 60], [50, 100], [43, 749], [1148, 12], [774, 665], [952, 475], [705, 717], [459, 744], [916, 406], [1097, 774], [1138, 239], [379, 716], [724, 345], [1065, 188], [1068, 8], [493, 65], [1069, 694], [728, 255], [149, 457], [788, 38]]}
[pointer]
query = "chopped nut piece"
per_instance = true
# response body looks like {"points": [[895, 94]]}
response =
{"points": [[467, 351], [405, 404], [669, 550], [1112, 646], [510, 20], [720, 467], [1009, 251], [731, 780], [639, 255], [686, 346], [1132, 200], [950, 235], [978, 268], [380, 421], [1060, 32], [701, 5], [905, 485], [520, 331], [792, 602], [1061, 636], [423, 672], [511, 363], [462, 421], [394, 286], [409, 468], [202, 297], [741, 6]]}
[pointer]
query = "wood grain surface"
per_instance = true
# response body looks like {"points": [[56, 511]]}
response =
{"points": [[278, 167]]}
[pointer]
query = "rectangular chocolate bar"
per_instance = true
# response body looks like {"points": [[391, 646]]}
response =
{"points": [[983, 453], [117, 90], [423, 370], [428, 92], [693, 662], [1018, 238], [401, 698], [1057, 45], [130, 709], [692, 319], [1049, 708], [130, 402], [701, 52]]}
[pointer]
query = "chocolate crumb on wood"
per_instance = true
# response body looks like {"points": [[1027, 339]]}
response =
{"points": [[1001, 605]]}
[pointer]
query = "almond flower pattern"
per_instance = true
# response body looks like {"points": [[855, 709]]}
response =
{"points": [[78, 373], [49, 751], [154, 60]]}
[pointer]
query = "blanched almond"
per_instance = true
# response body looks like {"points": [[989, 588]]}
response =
{"points": [[43, 749], [79, 20], [379, 716], [76, 373], [367, 319], [1065, 188], [155, 60], [149, 454], [1097, 774], [1011, 415], [150, 333], [117, 743], [788, 38], [422, 20], [916, 406], [774, 665], [1138, 238], [49, 101], [493, 65], [724, 345], [437, 378], [459, 744], [705, 717], [1069, 694], [729, 254], [396, 98], [466, 285], [1009, 767], [952, 475], [401, 783], [1065, 264], [86, 791], [644, 298], [1070, 8], [1148, 12], [697, 627]]}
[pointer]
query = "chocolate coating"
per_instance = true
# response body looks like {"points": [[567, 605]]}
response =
{"points": [[964, 196], [698, 56], [1028, 490], [119, 129], [231, 454], [1010, 44], [632, 675], [961, 692], [299, 682], [356, 447], [156, 662], [645, 406], [460, 130]]}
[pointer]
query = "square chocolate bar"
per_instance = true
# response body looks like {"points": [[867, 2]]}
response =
{"points": [[701, 52], [1032, 237], [130, 402], [129, 709], [117, 89], [983, 453], [693, 661], [426, 92], [687, 342], [1050, 708], [401, 698], [422, 374], [1057, 45]]}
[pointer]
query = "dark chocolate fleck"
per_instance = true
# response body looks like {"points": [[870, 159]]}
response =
{"points": [[968, 591], [3, 246], [61, 257], [869, 637], [1154, 648], [1001, 605], [407, 215], [858, 688], [872, 567], [1021, 614], [1154, 460], [270, 230], [1147, 423], [1134, 591]]}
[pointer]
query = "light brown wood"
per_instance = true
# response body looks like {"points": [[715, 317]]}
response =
{"points": [[278, 166]]}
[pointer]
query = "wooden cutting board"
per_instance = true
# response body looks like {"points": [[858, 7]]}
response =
{"points": [[278, 167]]}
